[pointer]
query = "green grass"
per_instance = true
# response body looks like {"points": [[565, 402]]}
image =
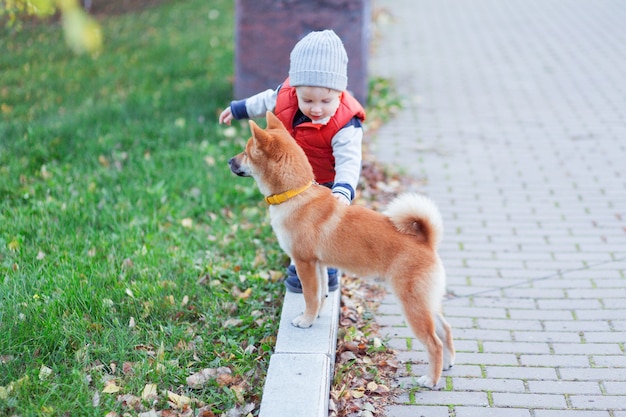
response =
{"points": [[126, 244]]}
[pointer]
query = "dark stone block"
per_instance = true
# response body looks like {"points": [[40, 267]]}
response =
{"points": [[267, 30]]}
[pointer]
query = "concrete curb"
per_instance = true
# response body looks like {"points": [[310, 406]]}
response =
{"points": [[300, 370]]}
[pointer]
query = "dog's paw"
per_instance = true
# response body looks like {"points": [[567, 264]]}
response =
{"points": [[302, 322], [426, 381], [447, 365]]}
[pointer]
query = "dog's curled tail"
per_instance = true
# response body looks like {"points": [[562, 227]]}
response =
{"points": [[416, 214]]}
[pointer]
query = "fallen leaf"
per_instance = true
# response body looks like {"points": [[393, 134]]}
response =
{"points": [[182, 346], [44, 372], [127, 263], [149, 392], [377, 343], [368, 407], [13, 245], [179, 401], [351, 346], [224, 379], [238, 390], [160, 354], [232, 323], [198, 379], [260, 259], [103, 161], [5, 108], [382, 389], [111, 388], [147, 348], [205, 412], [95, 400], [127, 368], [6, 358], [129, 401], [246, 294], [357, 393], [276, 276]]}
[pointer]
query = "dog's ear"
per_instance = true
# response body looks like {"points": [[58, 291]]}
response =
{"points": [[259, 136], [256, 131], [273, 122], [254, 128]]}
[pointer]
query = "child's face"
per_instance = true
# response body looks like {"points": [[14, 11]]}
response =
{"points": [[317, 103]]}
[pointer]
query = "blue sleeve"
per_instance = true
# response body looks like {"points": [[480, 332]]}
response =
{"points": [[238, 109], [345, 189], [355, 122]]}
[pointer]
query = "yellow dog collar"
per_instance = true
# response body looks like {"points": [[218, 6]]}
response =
{"points": [[282, 197]]}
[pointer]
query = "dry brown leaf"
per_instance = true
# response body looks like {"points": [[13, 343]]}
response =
{"points": [[179, 401], [103, 161], [198, 379], [357, 393], [205, 412], [246, 294], [363, 374], [232, 323], [224, 379], [347, 356], [238, 390], [276, 276], [127, 368], [130, 401], [382, 389]]}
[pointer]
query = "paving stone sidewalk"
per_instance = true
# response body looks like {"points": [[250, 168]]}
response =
{"points": [[515, 117]]}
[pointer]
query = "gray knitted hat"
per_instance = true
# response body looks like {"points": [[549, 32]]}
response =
{"points": [[319, 60]]}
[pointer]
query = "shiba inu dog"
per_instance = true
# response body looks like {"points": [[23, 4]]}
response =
{"points": [[317, 231]]}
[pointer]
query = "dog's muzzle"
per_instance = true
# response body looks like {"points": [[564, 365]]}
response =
{"points": [[236, 168]]}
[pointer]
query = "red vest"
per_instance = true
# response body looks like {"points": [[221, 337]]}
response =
{"points": [[315, 139]]}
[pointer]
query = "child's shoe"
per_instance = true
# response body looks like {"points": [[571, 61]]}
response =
{"points": [[292, 282]]}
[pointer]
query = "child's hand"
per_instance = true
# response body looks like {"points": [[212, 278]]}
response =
{"points": [[342, 199], [226, 116]]}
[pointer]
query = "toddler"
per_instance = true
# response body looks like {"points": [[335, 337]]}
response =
{"points": [[322, 117]]}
